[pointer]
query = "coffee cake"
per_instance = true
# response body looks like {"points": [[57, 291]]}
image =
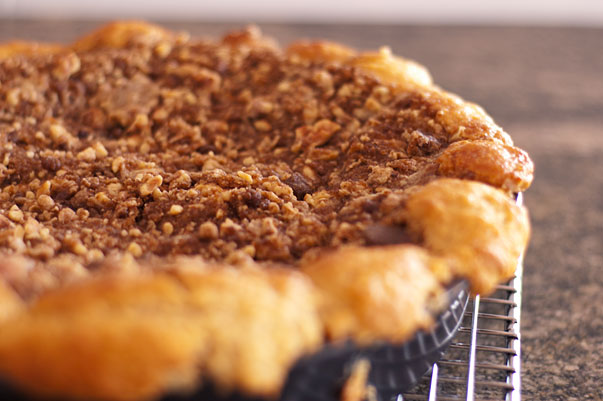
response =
{"points": [[174, 210]]}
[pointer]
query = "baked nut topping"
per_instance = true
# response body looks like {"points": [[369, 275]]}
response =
{"points": [[231, 205]]}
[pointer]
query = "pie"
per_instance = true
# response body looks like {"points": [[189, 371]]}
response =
{"points": [[175, 212]]}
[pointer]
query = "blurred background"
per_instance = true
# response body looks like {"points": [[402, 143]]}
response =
{"points": [[560, 12], [537, 68]]}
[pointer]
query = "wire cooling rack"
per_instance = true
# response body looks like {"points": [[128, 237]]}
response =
{"points": [[483, 361]]}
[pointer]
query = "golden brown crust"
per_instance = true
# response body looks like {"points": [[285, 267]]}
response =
{"points": [[23, 48], [10, 303], [111, 36], [475, 226], [301, 152], [406, 74], [383, 64], [139, 336], [120, 34], [320, 51], [380, 293], [497, 164]]}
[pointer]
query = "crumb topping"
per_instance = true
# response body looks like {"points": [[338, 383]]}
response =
{"points": [[229, 152]]}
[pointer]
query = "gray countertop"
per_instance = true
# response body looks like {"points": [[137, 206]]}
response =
{"points": [[545, 87]]}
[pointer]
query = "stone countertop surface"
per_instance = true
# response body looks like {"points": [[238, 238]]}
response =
{"points": [[545, 87]]}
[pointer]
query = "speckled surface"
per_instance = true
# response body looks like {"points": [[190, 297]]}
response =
{"points": [[545, 86]]}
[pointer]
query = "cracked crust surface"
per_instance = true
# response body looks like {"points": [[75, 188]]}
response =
{"points": [[232, 205]]}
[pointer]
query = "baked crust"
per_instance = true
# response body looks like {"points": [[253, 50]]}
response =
{"points": [[133, 149], [143, 334], [24, 48], [400, 284], [478, 229]]}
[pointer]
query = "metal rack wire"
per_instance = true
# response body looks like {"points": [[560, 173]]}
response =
{"points": [[483, 362]]}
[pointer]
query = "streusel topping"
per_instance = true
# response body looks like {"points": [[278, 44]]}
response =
{"points": [[228, 150]]}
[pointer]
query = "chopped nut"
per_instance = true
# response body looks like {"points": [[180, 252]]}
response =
{"points": [[158, 194], [211, 164], [135, 249], [345, 90], [309, 173], [229, 227], [249, 250], [44, 188], [67, 65], [182, 180], [31, 229], [380, 175], [260, 106], [100, 150], [40, 251], [248, 161], [382, 93], [283, 86], [167, 228], [310, 112], [102, 199], [45, 202], [163, 49], [262, 125], [13, 96], [225, 195], [372, 104], [114, 188], [289, 210], [83, 214], [94, 255], [79, 249], [208, 230], [140, 121], [246, 177], [150, 185], [88, 155], [324, 80], [66, 214], [44, 233], [175, 210], [59, 134], [15, 214], [362, 114], [314, 136], [117, 164], [339, 113], [273, 208], [74, 244]]}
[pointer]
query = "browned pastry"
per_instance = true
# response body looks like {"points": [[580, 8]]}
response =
{"points": [[141, 334], [174, 210]]}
